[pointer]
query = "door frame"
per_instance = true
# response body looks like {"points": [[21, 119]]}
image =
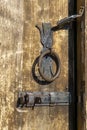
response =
{"points": [[77, 68]]}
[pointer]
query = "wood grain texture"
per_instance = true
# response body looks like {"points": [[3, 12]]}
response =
{"points": [[81, 69], [19, 47], [11, 34], [86, 64]]}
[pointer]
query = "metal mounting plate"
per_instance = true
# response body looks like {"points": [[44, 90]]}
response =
{"points": [[46, 99]]}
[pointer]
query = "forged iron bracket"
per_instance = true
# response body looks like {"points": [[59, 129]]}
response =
{"points": [[46, 38], [64, 23], [46, 35], [37, 99]]}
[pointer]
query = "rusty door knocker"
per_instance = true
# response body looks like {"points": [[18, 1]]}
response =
{"points": [[47, 42], [47, 52]]}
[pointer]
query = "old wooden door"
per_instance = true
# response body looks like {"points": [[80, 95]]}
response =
{"points": [[19, 47]]}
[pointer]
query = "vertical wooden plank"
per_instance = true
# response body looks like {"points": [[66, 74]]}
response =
{"points": [[85, 63], [36, 12], [81, 67], [11, 32]]}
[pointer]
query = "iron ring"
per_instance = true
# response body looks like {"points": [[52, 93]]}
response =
{"points": [[57, 61]]}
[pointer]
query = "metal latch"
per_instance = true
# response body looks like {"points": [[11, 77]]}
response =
{"points": [[64, 23], [48, 56], [37, 99]]}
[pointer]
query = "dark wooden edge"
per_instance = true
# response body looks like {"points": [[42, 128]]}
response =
{"points": [[72, 67]]}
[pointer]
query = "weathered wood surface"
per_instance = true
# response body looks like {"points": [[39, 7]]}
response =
{"points": [[19, 47], [81, 67], [86, 62]]}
